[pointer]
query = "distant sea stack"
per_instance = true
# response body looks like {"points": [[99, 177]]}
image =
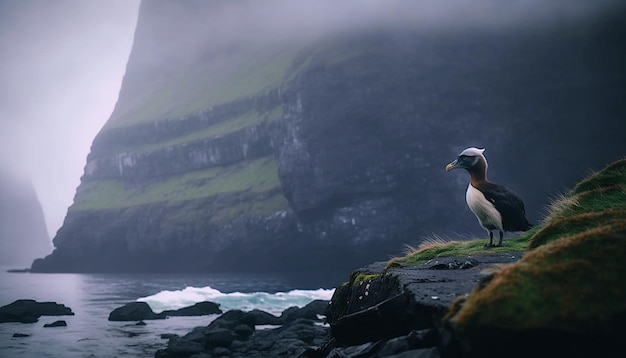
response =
{"points": [[23, 234], [256, 145]]}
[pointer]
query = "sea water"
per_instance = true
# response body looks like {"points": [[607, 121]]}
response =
{"points": [[93, 296]]}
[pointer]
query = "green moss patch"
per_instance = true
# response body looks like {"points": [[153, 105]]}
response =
{"points": [[361, 277], [205, 84], [576, 224], [218, 129], [260, 175], [612, 175]]}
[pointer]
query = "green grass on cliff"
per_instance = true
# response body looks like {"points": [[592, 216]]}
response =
{"points": [[572, 276], [434, 247], [244, 73], [228, 126], [258, 176], [206, 84]]}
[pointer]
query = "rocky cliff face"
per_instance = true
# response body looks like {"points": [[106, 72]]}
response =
{"points": [[330, 152], [23, 235]]}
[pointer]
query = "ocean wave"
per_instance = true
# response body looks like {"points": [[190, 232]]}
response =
{"points": [[274, 303]]}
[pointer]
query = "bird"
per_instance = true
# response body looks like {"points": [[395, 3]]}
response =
{"points": [[495, 206]]}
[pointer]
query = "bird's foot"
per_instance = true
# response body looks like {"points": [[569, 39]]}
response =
{"points": [[488, 246]]}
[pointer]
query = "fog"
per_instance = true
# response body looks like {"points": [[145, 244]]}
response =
{"points": [[61, 64]]}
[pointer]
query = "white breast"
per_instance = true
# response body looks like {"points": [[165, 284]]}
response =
{"points": [[485, 211]]}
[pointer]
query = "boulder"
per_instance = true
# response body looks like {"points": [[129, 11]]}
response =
{"points": [[233, 334], [178, 347], [59, 323], [198, 309], [138, 311], [29, 311], [264, 318], [220, 337], [312, 311], [134, 311]]}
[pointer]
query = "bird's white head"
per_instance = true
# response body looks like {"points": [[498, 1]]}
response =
{"points": [[468, 158], [473, 152]]}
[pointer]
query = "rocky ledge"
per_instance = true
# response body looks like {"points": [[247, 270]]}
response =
{"points": [[399, 311]]}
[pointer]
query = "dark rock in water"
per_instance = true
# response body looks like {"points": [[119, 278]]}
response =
{"points": [[29, 311], [243, 330], [60, 323], [20, 335], [264, 318], [139, 311], [234, 334], [18, 270], [179, 347], [220, 352], [198, 309], [134, 311], [310, 311], [220, 337], [140, 323]]}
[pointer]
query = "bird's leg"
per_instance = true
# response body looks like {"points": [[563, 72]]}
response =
{"points": [[490, 240], [501, 235]]}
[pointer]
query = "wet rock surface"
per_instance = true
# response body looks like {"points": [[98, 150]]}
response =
{"points": [[29, 311], [59, 323], [139, 311], [245, 334], [398, 311]]}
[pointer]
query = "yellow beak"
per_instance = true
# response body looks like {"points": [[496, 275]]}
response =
{"points": [[451, 166]]}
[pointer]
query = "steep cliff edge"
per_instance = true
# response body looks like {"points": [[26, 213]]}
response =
{"points": [[236, 147]]}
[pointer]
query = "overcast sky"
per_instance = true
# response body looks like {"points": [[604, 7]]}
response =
{"points": [[61, 67]]}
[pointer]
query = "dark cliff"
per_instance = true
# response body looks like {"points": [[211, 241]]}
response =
{"points": [[255, 152], [23, 235]]}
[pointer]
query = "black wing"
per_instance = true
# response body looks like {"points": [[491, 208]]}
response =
{"points": [[510, 206]]}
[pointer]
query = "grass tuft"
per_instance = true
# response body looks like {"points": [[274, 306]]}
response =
{"points": [[437, 246]]}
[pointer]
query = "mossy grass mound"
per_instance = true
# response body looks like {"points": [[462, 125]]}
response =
{"points": [[598, 200], [568, 285], [571, 278]]}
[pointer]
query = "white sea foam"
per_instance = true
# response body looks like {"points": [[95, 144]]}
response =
{"points": [[274, 303]]}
